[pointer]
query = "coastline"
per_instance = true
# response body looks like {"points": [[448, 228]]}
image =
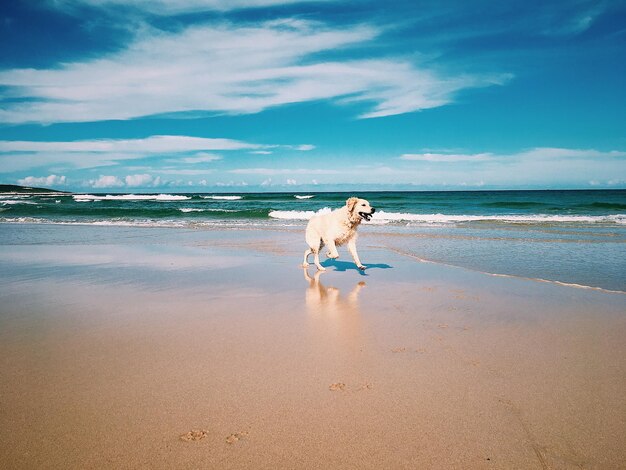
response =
{"points": [[117, 341]]}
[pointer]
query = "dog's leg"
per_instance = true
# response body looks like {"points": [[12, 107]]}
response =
{"points": [[305, 262], [332, 249], [355, 255], [316, 260], [315, 243]]}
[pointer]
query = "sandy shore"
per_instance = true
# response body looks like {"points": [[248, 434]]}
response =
{"points": [[172, 348]]}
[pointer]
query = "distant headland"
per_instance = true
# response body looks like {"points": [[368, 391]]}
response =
{"points": [[15, 189]]}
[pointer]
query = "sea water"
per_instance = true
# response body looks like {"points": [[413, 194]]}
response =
{"points": [[573, 237]]}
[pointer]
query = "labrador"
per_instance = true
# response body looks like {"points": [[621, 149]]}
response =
{"points": [[336, 228]]}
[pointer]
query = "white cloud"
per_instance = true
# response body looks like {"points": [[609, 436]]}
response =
{"points": [[283, 171], [186, 172], [169, 7], [129, 181], [291, 182], [569, 22], [304, 148], [51, 180], [138, 180], [261, 152], [539, 153], [106, 182], [20, 155], [553, 153], [201, 157], [227, 68], [231, 183], [447, 158], [156, 144], [539, 166]]}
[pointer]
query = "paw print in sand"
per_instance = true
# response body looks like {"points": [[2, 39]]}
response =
{"points": [[194, 435]]}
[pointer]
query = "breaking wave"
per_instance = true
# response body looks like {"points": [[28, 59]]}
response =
{"points": [[387, 217], [223, 198], [129, 197]]}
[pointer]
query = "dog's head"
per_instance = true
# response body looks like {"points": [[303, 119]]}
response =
{"points": [[359, 208]]}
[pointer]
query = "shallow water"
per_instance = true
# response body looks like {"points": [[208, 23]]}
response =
{"points": [[576, 237]]}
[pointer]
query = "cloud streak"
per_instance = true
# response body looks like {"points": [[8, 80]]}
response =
{"points": [[283, 171], [153, 144], [168, 7], [156, 144], [447, 158], [20, 155], [538, 166], [229, 69]]}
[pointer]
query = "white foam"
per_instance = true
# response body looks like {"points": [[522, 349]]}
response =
{"points": [[11, 202], [193, 209], [130, 197], [382, 217], [297, 196], [538, 218], [223, 198], [298, 215], [163, 223]]}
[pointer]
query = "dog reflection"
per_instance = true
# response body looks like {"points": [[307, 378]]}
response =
{"points": [[328, 300]]}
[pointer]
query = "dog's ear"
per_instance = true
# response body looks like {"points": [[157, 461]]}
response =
{"points": [[350, 203]]}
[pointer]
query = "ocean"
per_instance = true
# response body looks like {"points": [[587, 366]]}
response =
{"points": [[571, 237]]}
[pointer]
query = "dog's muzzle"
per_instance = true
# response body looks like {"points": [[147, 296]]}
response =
{"points": [[367, 215]]}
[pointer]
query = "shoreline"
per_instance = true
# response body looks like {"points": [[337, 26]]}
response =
{"points": [[377, 235]]}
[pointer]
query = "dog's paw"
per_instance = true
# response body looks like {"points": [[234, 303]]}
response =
{"points": [[320, 268], [304, 265], [361, 267], [332, 255]]}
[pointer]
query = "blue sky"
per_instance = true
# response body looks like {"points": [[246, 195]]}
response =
{"points": [[248, 95]]}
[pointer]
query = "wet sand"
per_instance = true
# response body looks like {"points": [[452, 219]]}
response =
{"points": [[172, 348]]}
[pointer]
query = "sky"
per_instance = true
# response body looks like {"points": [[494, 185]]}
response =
{"points": [[289, 95]]}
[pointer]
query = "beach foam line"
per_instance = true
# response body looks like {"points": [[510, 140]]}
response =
{"points": [[113, 222], [298, 196], [223, 198], [382, 217], [130, 197], [529, 219], [155, 223], [511, 276]]}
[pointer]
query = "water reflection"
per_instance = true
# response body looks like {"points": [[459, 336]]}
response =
{"points": [[336, 319], [328, 300]]}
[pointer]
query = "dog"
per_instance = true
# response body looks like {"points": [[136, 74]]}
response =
{"points": [[335, 229]]}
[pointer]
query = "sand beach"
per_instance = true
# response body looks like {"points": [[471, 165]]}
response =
{"points": [[129, 347]]}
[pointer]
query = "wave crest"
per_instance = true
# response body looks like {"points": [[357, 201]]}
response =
{"points": [[382, 217], [130, 197], [223, 198]]}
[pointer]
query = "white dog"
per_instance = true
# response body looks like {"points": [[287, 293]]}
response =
{"points": [[335, 229]]}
